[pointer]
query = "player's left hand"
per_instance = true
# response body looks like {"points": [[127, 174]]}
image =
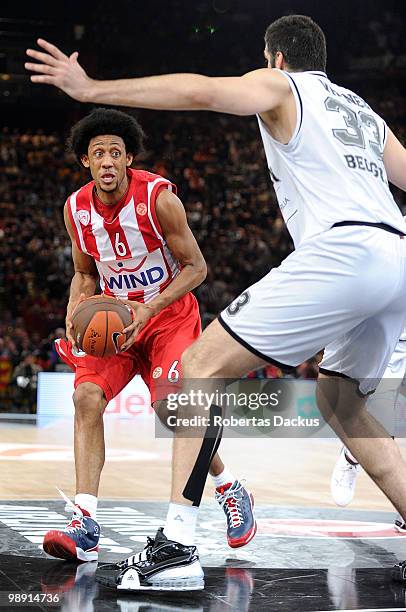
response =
{"points": [[53, 67], [142, 313]]}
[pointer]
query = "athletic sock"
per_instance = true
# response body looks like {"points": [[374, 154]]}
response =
{"points": [[180, 524], [224, 478], [350, 458], [87, 502]]}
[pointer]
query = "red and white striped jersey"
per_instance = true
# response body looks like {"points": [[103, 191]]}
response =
{"points": [[130, 252]]}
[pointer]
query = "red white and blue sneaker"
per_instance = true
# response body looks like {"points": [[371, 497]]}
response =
{"points": [[79, 541], [237, 504]]}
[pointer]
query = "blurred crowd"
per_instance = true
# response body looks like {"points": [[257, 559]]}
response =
{"points": [[218, 164]]}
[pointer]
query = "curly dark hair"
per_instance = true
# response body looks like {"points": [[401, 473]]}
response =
{"points": [[301, 41], [106, 121]]}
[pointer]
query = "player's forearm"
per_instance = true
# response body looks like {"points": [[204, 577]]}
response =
{"points": [[189, 278], [81, 283], [166, 92]]}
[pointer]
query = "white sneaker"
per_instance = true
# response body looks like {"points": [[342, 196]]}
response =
{"points": [[343, 480], [400, 524]]}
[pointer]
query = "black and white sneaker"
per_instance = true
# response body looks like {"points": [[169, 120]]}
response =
{"points": [[163, 565], [399, 572]]}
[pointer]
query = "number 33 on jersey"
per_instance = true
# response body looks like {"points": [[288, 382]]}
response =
{"points": [[332, 168]]}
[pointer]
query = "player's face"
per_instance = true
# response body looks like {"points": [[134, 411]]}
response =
{"points": [[108, 161]]}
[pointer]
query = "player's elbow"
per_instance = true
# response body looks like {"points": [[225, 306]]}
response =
{"points": [[201, 271]]}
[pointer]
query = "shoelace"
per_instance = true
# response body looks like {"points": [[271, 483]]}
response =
{"points": [[348, 469], [76, 523], [230, 501], [144, 555]]}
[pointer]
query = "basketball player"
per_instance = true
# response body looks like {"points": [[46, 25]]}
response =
{"points": [[382, 403], [129, 231], [344, 287]]}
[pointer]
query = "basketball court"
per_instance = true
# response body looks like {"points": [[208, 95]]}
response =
{"points": [[307, 554]]}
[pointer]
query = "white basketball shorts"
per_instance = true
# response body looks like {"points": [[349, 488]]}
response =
{"points": [[343, 291]]}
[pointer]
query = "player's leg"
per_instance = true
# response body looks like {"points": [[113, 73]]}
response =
{"points": [[178, 329], [97, 381], [382, 405], [344, 409], [90, 402], [215, 355], [79, 540]]}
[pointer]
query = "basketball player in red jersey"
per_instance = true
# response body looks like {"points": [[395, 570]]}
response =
{"points": [[129, 232]]}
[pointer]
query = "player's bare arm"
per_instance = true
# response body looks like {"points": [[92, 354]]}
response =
{"points": [[255, 92], [83, 284], [183, 246], [395, 161]]}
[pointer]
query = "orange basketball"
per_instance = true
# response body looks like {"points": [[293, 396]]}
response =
{"points": [[98, 324]]}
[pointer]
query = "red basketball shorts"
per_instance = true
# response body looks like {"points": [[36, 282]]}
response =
{"points": [[155, 354]]}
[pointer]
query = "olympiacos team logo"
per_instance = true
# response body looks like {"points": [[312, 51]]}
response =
{"points": [[141, 208], [83, 216]]}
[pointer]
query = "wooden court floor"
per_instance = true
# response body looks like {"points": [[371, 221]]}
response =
{"points": [[33, 461]]}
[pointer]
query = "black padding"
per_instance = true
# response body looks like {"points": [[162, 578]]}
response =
{"points": [[211, 441]]}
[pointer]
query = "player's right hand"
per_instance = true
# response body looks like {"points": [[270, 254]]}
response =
{"points": [[68, 320], [56, 68]]}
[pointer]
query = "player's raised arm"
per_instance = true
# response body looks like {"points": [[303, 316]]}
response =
{"points": [[395, 161], [256, 92]]}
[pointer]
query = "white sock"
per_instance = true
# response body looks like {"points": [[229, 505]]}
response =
{"points": [[224, 478], [180, 524], [349, 456], [87, 502]]}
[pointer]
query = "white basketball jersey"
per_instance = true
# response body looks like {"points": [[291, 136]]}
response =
{"points": [[332, 169]]}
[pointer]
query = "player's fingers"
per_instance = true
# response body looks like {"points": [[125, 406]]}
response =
{"points": [[42, 57], [71, 339], [42, 68], [131, 327], [39, 78], [74, 56], [130, 340], [52, 49]]}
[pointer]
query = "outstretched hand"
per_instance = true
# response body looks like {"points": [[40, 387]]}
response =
{"points": [[56, 68]]}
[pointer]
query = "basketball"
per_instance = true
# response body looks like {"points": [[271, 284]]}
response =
{"points": [[98, 325]]}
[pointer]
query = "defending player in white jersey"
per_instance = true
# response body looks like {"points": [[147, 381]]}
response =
{"points": [[344, 287]]}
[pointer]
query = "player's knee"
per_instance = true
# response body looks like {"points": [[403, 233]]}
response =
{"points": [[89, 401]]}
